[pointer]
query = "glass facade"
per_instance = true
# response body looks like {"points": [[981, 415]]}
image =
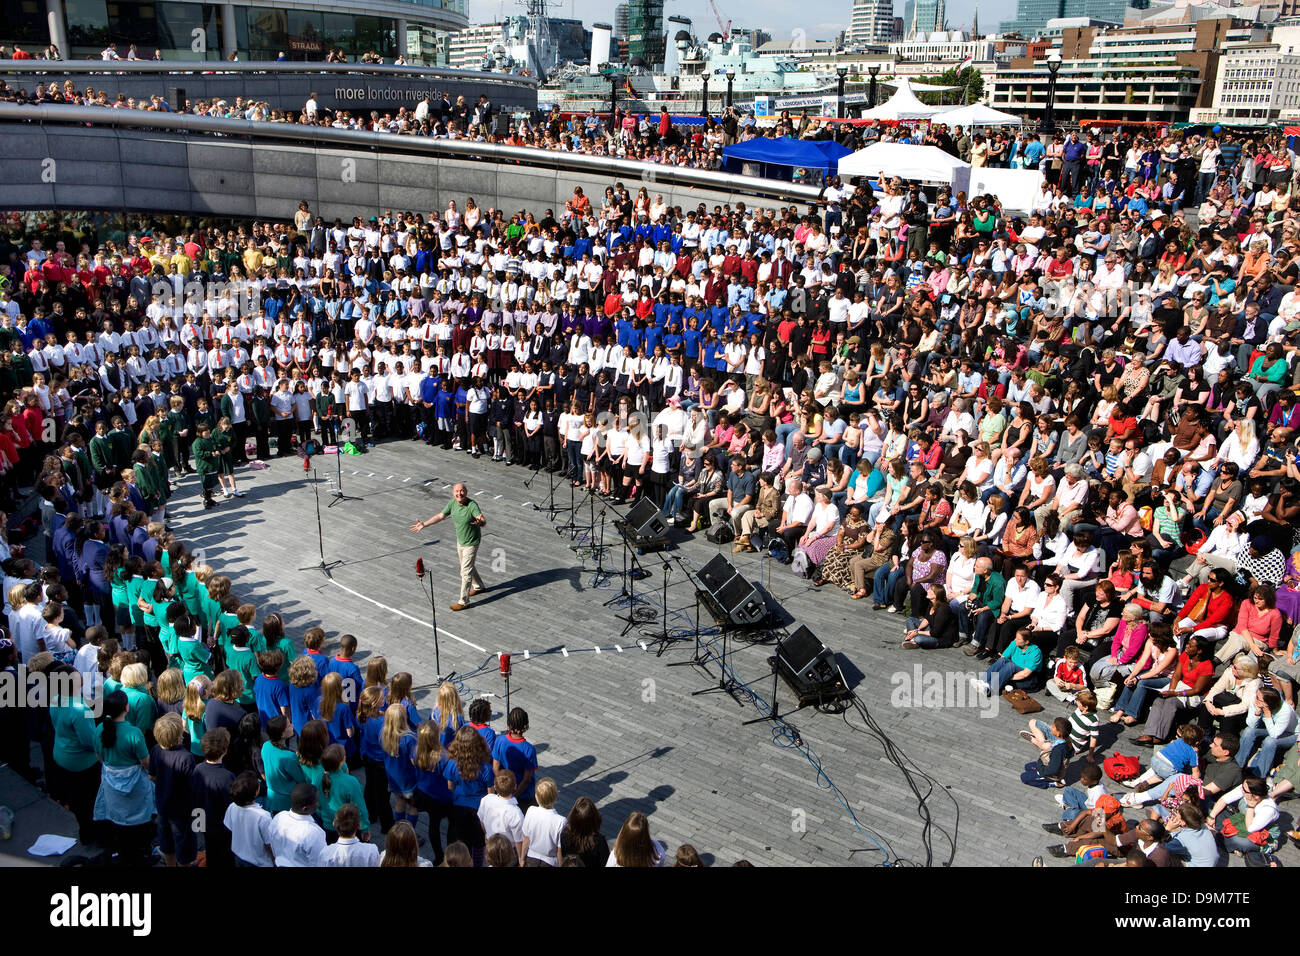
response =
{"points": [[178, 30], [24, 23], [192, 31], [264, 32]]}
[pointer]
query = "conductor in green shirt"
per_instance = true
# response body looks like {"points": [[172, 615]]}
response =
{"points": [[469, 519]]}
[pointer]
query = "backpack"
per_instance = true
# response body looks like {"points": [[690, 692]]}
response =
{"points": [[800, 565], [721, 532], [778, 550], [1120, 768]]}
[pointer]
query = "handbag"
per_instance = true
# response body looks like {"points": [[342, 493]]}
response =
{"points": [[1106, 695], [1120, 767], [1021, 702]]}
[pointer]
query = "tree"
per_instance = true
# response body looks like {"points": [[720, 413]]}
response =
{"points": [[970, 81]]}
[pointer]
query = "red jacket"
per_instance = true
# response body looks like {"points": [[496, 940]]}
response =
{"points": [[1217, 611]]}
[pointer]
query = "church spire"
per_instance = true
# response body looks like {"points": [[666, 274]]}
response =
{"points": [[975, 24]]}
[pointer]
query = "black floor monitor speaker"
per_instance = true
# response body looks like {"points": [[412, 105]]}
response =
{"points": [[176, 99], [809, 667], [806, 656], [731, 598], [644, 520], [716, 573]]}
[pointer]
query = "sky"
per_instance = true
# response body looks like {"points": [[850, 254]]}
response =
{"points": [[821, 21]]}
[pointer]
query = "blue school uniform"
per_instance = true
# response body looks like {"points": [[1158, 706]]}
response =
{"points": [[303, 702], [352, 680], [401, 770], [466, 793], [519, 756], [271, 694]]}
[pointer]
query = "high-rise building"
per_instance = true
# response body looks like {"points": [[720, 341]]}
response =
{"points": [[620, 21], [1032, 15], [927, 17], [645, 32], [871, 21]]}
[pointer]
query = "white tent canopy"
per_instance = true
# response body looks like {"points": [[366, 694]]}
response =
{"points": [[903, 105], [926, 163], [975, 115]]}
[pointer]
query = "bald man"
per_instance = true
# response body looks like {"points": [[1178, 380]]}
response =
{"points": [[469, 519]]}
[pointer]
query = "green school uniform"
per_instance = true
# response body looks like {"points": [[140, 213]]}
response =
{"points": [[135, 589], [195, 658], [142, 709], [344, 788], [245, 661], [227, 622], [196, 730], [121, 443], [118, 588], [283, 772], [206, 455], [129, 748], [101, 453], [285, 647]]}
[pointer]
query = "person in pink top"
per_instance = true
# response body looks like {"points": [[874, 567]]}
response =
{"points": [[1125, 646], [1258, 627]]}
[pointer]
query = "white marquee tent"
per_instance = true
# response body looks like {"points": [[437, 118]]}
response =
{"points": [[975, 115], [903, 105], [926, 163]]}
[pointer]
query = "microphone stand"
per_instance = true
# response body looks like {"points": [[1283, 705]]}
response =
{"points": [[551, 508], [324, 566], [433, 616], [338, 489]]}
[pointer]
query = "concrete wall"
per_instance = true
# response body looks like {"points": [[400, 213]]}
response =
{"points": [[354, 92], [78, 167]]}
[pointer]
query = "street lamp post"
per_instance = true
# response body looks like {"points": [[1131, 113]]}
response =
{"points": [[705, 96], [1053, 67], [731, 78], [841, 72], [871, 90]]}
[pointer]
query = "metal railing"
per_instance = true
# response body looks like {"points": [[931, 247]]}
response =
{"points": [[45, 68], [649, 174]]}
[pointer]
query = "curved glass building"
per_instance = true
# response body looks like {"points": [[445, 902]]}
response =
{"points": [[184, 30]]}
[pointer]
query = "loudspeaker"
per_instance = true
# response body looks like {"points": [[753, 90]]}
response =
{"points": [[644, 520], [808, 667], [176, 101], [501, 124], [716, 573], [805, 656], [728, 595]]}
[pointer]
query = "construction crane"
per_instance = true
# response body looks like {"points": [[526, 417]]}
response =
{"points": [[724, 27]]}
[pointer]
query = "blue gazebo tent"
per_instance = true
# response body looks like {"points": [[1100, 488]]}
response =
{"points": [[797, 160]]}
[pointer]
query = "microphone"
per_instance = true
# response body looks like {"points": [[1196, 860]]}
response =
{"points": [[419, 568], [505, 665]]}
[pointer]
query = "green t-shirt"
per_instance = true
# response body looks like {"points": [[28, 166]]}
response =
{"points": [[128, 749], [244, 660], [344, 788], [142, 709], [76, 735], [466, 534], [195, 658], [282, 772]]}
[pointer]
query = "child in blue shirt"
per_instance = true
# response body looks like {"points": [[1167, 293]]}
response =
{"points": [[269, 691], [1178, 756], [517, 755], [343, 665]]}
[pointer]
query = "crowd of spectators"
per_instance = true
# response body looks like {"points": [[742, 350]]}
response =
{"points": [[1063, 442]]}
